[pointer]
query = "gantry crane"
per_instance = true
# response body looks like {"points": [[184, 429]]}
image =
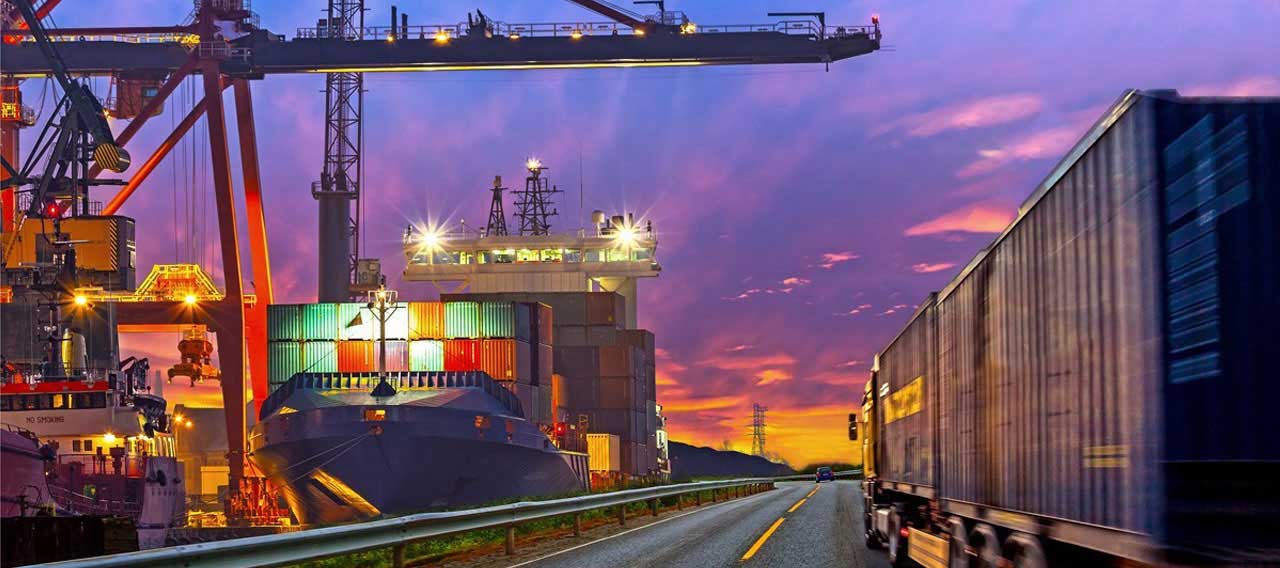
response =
{"points": [[179, 51]]}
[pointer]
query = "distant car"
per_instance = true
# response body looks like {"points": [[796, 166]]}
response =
{"points": [[824, 474]]}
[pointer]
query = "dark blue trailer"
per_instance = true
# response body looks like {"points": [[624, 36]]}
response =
{"points": [[1101, 378]]}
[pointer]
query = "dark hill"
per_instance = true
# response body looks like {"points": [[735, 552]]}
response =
{"points": [[689, 462]]}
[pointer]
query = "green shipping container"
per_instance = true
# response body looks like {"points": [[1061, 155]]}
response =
{"points": [[426, 355], [461, 320], [352, 324], [319, 322], [284, 322], [284, 359], [320, 356], [497, 320]]}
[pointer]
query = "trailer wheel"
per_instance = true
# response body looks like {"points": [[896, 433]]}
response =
{"points": [[958, 543], [984, 542], [1024, 551], [897, 544]]}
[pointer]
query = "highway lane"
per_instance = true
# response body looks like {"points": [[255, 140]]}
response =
{"points": [[825, 530]]}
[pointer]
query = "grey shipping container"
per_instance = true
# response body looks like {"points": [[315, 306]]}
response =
{"points": [[907, 371], [1106, 364]]}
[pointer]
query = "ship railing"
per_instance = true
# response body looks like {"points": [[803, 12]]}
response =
{"points": [[576, 30], [105, 464], [397, 533], [79, 503], [399, 379]]}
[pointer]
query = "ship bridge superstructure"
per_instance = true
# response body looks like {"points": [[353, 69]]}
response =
{"points": [[611, 257]]}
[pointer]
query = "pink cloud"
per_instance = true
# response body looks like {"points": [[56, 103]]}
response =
{"points": [[850, 363], [925, 268], [795, 281], [980, 218], [1259, 86], [739, 348], [830, 259], [978, 113], [1034, 146]]}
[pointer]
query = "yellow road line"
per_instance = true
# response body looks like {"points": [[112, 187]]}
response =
{"points": [[815, 490], [755, 547], [797, 505]]}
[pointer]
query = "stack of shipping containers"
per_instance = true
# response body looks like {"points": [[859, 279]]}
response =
{"points": [[605, 372], [499, 338]]}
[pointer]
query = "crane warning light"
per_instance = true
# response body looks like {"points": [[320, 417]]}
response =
{"points": [[533, 164], [875, 19], [561, 428], [52, 210]]}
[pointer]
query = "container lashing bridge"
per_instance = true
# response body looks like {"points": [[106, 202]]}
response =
{"points": [[168, 54]]}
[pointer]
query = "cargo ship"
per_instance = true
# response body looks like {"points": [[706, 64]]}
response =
{"points": [[397, 407], [345, 447]]}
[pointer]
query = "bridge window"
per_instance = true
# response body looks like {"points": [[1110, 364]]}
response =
{"points": [[6, 403], [61, 401], [572, 255]]}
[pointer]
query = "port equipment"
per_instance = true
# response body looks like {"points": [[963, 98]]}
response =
{"points": [[226, 46]]}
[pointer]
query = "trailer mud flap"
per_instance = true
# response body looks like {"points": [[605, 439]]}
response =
{"points": [[929, 550]]}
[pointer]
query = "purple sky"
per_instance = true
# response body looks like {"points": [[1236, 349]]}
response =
{"points": [[802, 213]]}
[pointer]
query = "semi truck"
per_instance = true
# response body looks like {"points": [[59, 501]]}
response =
{"points": [[1096, 387]]}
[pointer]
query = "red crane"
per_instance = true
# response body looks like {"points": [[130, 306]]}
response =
{"points": [[224, 63]]}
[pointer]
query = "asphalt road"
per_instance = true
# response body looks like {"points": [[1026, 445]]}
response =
{"points": [[826, 530]]}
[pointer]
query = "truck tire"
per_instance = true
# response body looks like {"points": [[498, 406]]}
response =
{"points": [[896, 544], [958, 544], [1024, 551], [984, 541]]}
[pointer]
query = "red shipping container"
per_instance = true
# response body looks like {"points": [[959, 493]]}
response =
{"points": [[355, 356], [397, 355], [498, 358], [462, 354]]}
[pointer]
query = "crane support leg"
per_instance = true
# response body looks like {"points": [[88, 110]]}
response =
{"points": [[163, 93], [156, 157], [256, 316], [231, 346]]}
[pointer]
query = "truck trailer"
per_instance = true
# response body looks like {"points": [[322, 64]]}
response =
{"points": [[1096, 386]]}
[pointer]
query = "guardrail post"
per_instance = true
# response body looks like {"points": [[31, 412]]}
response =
{"points": [[653, 507], [397, 556], [577, 524], [697, 499], [622, 515], [680, 502], [511, 540]]}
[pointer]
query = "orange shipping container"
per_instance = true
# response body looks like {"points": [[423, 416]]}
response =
{"points": [[426, 320], [498, 358], [355, 356]]}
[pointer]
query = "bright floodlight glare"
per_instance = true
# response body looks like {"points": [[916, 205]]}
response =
{"points": [[109, 438], [442, 36], [81, 300], [626, 236], [190, 299], [431, 239], [533, 164]]}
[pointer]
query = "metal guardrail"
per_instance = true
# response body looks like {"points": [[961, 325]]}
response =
{"points": [[396, 533]]}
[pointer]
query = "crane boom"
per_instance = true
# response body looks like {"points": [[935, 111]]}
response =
{"points": [[612, 12]]}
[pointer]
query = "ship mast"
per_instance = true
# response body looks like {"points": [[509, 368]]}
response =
{"points": [[497, 217], [382, 303]]}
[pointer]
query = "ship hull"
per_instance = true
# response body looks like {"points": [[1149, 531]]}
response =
{"points": [[333, 466]]}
